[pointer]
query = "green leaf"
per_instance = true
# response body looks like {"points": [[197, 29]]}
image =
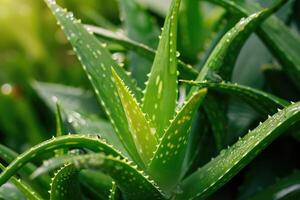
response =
{"points": [[228, 163], [161, 90], [70, 141], [10, 192], [23, 187], [263, 102], [224, 56], [114, 192], [282, 42], [97, 182], [65, 184], [81, 110], [133, 183], [286, 188], [141, 27], [60, 130], [41, 184], [185, 71], [167, 163], [97, 63], [143, 134]]}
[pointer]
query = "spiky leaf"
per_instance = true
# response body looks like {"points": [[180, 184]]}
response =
{"points": [[263, 102], [70, 141], [97, 63], [142, 133], [166, 165], [282, 42], [65, 184], [161, 90], [229, 162]]}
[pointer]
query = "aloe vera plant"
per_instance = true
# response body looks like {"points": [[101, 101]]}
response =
{"points": [[137, 144]]}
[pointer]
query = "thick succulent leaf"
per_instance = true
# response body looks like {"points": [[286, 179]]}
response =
{"points": [[98, 183], [287, 188], [81, 111], [224, 56], [28, 192], [161, 90], [229, 162], [166, 166], [133, 183], [97, 62], [65, 184], [70, 141], [263, 102], [281, 41], [143, 30], [185, 71], [143, 134], [40, 184]]}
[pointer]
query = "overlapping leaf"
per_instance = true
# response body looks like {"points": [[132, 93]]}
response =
{"points": [[70, 141], [283, 43], [228, 163], [143, 134], [263, 102], [166, 165], [133, 183], [65, 184], [185, 71], [97, 63]]}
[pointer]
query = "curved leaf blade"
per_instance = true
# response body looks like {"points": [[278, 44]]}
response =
{"points": [[167, 162], [69, 141], [160, 98], [281, 41], [263, 102], [23, 187], [229, 162], [65, 184], [97, 63], [133, 183]]}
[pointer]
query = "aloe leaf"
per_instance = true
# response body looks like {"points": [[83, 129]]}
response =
{"points": [[40, 184], [185, 71], [143, 30], [263, 102], [287, 188], [143, 134], [167, 163], [282, 42], [133, 183], [229, 162], [81, 111], [70, 141], [161, 90], [232, 42], [97, 62], [23, 187], [98, 183], [65, 184]]}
